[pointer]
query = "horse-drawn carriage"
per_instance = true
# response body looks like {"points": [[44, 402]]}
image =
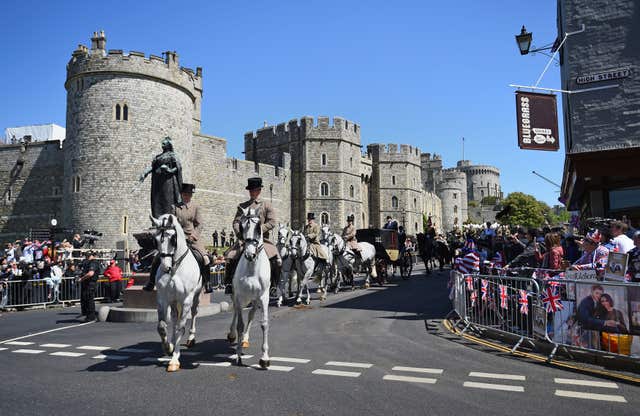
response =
{"points": [[387, 245]]}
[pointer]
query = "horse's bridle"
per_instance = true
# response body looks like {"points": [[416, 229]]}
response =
{"points": [[172, 242], [253, 241], [285, 242]]}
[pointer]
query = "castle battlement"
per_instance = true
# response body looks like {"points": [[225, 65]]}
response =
{"points": [[466, 166], [98, 60], [306, 124], [392, 153]]}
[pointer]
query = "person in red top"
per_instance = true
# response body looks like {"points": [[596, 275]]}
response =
{"points": [[114, 274], [552, 258]]}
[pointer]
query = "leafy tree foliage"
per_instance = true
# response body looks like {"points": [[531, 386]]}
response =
{"points": [[524, 210]]}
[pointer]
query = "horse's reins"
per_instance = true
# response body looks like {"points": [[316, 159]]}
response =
{"points": [[175, 263]]}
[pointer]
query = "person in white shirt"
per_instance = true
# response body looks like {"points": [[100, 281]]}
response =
{"points": [[53, 281], [620, 240]]}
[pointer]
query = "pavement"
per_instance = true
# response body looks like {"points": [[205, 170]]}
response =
{"points": [[376, 351]]}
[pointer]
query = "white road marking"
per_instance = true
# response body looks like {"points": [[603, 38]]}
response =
{"points": [[218, 364], [21, 343], [577, 382], [235, 356], [502, 387], [335, 373], [155, 359], [591, 396], [111, 357], [498, 376], [273, 367], [290, 360], [346, 364], [418, 370], [93, 348], [2, 349], [410, 379], [46, 332], [28, 351], [55, 345], [67, 354], [136, 350]]}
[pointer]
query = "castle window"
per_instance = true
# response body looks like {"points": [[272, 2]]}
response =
{"points": [[482, 194], [125, 112], [323, 159], [455, 209], [455, 196], [75, 184], [324, 218], [324, 189], [394, 202], [363, 220], [125, 224], [393, 179], [55, 191], [351, 162], [351, 191], [9, 195], [415, 203], [416, 227], [118, 112]]}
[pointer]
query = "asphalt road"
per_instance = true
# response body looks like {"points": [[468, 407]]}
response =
{"points": [[367, 352]]}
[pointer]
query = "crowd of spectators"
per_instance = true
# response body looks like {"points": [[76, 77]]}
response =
{"points": [[552, 249], [25, 262]]}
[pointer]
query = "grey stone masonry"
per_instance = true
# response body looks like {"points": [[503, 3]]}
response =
{"points": [[452, 191], [482, 180], [607, 53]]}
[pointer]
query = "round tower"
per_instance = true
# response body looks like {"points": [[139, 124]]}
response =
{"points": [[482, 180], [119, 109], [452, 191]]}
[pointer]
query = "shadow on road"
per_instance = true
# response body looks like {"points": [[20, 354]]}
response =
{"points": [[420, 297], [209, 350]]}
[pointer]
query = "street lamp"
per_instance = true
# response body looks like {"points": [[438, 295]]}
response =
{"points": [[524, 41]]}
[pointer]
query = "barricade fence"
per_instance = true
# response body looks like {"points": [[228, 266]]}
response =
{"points": [[600, 317], [47, 291]]}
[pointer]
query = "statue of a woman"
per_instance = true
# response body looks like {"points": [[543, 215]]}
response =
{"points": [[166, 180]]}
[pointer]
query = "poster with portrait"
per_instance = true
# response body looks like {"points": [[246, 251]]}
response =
{"points": [[564, 324], [539, 322], [602, 314], [634, 309], [616, 267]]}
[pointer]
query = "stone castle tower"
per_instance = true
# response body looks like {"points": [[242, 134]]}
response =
{"points": [[482, 180], [452, 190], [396, 186], [325, 166], [119, 108]]}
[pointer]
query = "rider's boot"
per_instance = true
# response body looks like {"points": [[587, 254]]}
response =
{"points": [[205, 272], [229, 270], [276, 267], [152, 275]]}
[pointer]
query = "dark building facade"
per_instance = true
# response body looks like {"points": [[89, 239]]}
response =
{"points": [[601, 67]]}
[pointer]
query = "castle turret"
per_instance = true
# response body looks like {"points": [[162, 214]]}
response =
{"points": [[119, 108], [452, 191]]}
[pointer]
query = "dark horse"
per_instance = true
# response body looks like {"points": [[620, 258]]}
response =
{"points": [[425, 250], [442, 253]]}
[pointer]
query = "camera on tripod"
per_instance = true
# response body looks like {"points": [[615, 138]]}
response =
{"points": [[91, 236]]}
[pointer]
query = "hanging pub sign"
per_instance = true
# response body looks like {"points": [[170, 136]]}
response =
{"points": [[537, 117]]}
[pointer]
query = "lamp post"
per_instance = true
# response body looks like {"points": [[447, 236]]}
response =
{"points": [[524, 43]]}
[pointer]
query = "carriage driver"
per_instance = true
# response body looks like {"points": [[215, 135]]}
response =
{"points": [[267, 221], [349, 236], [190, 219]]}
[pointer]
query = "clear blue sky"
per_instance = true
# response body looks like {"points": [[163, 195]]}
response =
{"points": [[424, 73]]}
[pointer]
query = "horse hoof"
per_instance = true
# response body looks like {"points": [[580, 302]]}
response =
{"points": [[190, 343], [318, 290], [245, 344], [265, 363], [231, 338], [366, 285], [173, 367], [308, 302]]}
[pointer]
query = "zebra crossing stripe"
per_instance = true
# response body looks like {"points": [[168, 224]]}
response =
{"points": [[155, 359], [27, 351], [336, 373], [347, 364], [67, 354], [217, 364], [590, 396], [3, 348], [498, 376], [418, 370], [111, 357], [488, 386], [273, 367], [93, 348], [290, 360], [19, 343], [577, 382], [410, 379], [55, 345]]}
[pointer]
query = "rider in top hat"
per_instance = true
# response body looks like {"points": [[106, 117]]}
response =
{"points": [[190, 220], [312, 233], [349, 235], [267, 221]]}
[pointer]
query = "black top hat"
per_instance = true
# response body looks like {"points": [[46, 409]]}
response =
{"points": [[311, 216], [350, 217], [254, 183], [188, 188]]}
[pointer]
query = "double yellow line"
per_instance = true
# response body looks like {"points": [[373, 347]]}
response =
{"points": [[539, 358]]}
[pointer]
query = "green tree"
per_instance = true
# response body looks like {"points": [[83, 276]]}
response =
{"points": [[523, 209]]}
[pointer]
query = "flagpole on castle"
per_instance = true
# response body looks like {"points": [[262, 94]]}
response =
{"points": [[463, 148]]}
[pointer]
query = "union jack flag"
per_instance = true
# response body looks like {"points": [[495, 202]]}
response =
{"points": [[524, 302], [552, 300], [503, 296], [484, 288], [469, 281], [474, 296]]}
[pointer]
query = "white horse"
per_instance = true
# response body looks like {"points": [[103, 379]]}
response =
{"points": [[348, 261], [179, 286], [303, 263], [288, 269], [251, 283]]}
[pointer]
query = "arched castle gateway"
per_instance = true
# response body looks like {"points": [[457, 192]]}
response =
{"points": [[120, 105]]}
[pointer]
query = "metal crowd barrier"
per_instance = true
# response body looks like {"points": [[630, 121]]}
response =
{"points": [[587, 315], [45, 292]]}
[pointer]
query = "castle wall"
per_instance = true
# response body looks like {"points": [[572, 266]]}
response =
{"points": [[432, 207], [482, 180], [453, 194], [31, 181]]}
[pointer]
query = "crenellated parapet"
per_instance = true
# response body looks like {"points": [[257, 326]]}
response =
{"points": [[466, 166], [306, 128], [98, 60], [393, 153]]}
